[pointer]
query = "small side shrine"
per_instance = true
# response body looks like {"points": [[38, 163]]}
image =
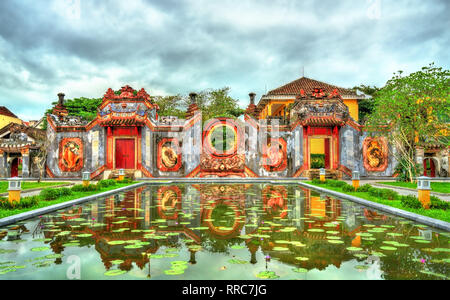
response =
{"points": [[126, 134], [19, 145]]}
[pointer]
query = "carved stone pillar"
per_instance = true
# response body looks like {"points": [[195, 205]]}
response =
{"points": [[3, 164], [25, 163]]}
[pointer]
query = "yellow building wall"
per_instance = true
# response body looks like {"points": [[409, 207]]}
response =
{"points": [[351, 103], [267, 111], [317, 146], [352, 108], [5, 120]]}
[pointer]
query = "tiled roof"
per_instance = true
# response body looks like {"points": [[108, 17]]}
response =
{"points": [[307, 84], [6, 112]]}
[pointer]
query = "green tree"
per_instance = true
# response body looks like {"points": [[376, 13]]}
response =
{"points": [[83, 107], [365, 106], [171, 105], [213, 103], [413, 111]]}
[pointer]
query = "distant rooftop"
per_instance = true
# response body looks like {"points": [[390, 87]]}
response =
{"points": [[6, 112], [308, 84]]}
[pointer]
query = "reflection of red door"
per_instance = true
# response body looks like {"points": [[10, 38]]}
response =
{"points": [[428, 167], [15, 167], [327, 152], [125, 154]]}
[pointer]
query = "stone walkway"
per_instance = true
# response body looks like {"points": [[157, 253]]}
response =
{"points": [[398, 190]]}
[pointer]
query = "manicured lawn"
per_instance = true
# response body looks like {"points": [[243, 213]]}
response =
{"points": [[75, 195], [432, 213], [26, 185], [440, 187]]}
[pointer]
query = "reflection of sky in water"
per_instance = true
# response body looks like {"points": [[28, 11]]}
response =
{"points": [[245, 225]]}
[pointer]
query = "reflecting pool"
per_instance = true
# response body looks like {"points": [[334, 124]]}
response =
{"points": [[222, 231]]}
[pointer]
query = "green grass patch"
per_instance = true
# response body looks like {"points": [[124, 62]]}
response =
{"points": [[27, 185], [439, 187], [36, 202], [440, 214]]}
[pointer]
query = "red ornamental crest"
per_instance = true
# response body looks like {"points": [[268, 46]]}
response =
{"points": [[375, 154], [169, 155], [71, 154], [274, 155]]}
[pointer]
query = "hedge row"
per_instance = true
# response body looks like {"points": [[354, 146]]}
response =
{"points": [[388, 194], [49, 194]]}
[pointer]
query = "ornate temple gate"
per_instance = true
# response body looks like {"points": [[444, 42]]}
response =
{"points": [[123, 147], [125, 154], [330, 135], [223, 149]]}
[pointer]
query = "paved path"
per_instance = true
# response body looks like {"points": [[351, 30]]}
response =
{"points": [[400, 191]]}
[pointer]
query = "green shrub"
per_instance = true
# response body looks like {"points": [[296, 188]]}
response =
{"points": [[364, 188], [317, 181], [410, 201], [52, 194], [65, 191], [437, 203], [125, 180], [348, 188], [106, 183], [82, 188], [49, 194], [24, 203], [337, 183], [389, 194], [375, 192]]}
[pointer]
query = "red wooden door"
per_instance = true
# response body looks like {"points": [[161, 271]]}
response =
{"points": [[327, 153], [429, 168], [15, 167], [125, 154]]}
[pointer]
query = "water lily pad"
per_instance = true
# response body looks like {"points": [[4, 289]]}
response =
{"points": [[237, 261], [237, 247], [354, 249], [280, 249], [332, 232], [84, 235], [394, 234], [38, 249], [267, 275], [316, 230], [174, 272], [114, 272], [116, 242], [302, 258], [300, 270], [433, 274], [134, 246], [388, 248], [335, 241], [422, 241], [117, 261]]}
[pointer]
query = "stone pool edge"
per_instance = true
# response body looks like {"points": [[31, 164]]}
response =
{"points": [[44, 210], [389, 209]]}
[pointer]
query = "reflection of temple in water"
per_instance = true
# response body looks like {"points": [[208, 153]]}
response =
{"points": [[215, 217]]}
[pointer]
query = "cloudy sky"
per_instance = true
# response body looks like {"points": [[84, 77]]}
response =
{"points": [[82, 47]]}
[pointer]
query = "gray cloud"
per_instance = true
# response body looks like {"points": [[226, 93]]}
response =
{"points": [[171, 47]]}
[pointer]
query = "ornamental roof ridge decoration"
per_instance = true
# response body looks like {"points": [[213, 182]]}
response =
{"points": [[127, 93]]}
